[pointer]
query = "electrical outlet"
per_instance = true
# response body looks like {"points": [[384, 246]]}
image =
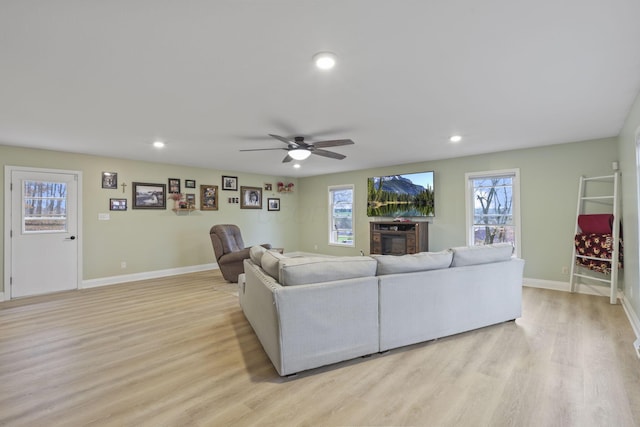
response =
{"points": [[565, 270], [123, 264], [315, 247]]}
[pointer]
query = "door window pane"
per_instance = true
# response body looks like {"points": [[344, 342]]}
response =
{"points": [[45, 207]]}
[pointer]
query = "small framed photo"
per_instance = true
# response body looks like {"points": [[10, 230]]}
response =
{"points": [[250, 198], [267, 186], [230, 183], [109, 180], [149, 196], [273, 204], [174, 185], [189, 183], [190, 198], [209, 197], [117, 204]]}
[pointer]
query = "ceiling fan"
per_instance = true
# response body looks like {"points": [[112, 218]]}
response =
{"points": [[297, 149]]}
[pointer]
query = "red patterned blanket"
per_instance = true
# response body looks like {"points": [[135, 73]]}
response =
{"points": [[596, 245]]}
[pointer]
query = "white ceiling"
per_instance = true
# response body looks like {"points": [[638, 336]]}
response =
{"points": [[213, 77]]}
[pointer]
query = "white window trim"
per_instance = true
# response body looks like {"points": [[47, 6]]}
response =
{"points": [[353, 225], [469, 203]]}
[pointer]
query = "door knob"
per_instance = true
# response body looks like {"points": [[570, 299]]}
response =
{"points": [[71, 238]]}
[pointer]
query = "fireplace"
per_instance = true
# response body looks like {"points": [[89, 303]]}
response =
{"points": [[399, 238], [394, 244]]}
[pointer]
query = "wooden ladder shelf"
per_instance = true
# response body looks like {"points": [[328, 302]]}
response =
{"points": [[611, 199]]}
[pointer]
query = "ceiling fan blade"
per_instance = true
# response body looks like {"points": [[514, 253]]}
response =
{"points": [[330, 154], [332, 143], [287, 159], [283, 139], [263, 149]]}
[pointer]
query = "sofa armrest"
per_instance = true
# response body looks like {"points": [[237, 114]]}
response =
{"points": [[231, 257]]}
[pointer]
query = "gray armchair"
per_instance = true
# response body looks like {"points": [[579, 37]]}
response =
{"points": [[229, 250]]}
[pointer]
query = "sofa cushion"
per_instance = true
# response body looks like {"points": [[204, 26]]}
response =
{"points": [[422, 261], [270, 263], [473, 255], [255, 253], [306, 270]]}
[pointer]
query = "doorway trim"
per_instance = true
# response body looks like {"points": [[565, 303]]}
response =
{"points": [[8, 170]]}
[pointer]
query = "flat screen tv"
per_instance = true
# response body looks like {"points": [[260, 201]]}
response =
{"points": [[401, 196]]}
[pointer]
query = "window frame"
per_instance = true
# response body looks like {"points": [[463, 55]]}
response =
{"points": [[470, 203], [331, 189]]}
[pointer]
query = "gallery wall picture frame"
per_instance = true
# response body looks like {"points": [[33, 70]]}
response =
{"points": [[117, 204], [109, 180], [189, 183], [229, 183], [250, 197], [174, 185], [209, 197], [267, 186], [190, 198], [149, 196], [273, 204]]}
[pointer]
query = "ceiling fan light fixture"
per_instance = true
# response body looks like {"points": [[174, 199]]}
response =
{"points": [[324, 60], [299, 154]]}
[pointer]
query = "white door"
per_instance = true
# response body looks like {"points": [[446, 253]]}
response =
{"points": [[44, 232]]}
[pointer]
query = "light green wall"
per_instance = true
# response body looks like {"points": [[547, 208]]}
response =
{"points": [[150, 240], [549, 189], [627, 148]]}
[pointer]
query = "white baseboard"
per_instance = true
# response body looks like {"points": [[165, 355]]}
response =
{"points": [[105, 281], [581, 288], [633, 319], [592, 290], [546, 284]]}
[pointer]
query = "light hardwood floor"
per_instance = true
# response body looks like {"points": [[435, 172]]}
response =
{"points": [[179, 352]]}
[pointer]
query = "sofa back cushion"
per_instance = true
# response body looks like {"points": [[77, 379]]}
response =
{"points": [[473, 255], [271, 263], [306, 270], [423, 261]]}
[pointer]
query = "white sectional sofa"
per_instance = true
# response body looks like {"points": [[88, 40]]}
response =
{"points": [[313, 311]]}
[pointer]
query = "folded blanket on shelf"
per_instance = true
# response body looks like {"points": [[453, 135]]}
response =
{"points": [[596, 245], [596, 223]]}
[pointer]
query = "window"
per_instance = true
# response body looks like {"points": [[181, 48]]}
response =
{"points": [[493, 209], [44, 207], [341, 215]]}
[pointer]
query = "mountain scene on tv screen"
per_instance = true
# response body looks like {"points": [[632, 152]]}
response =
{"points": [[398, 196]]}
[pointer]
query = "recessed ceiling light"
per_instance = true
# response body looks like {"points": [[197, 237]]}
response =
{"points": [[158, 144], [324, 60], [297, 166], [455, 138]]}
